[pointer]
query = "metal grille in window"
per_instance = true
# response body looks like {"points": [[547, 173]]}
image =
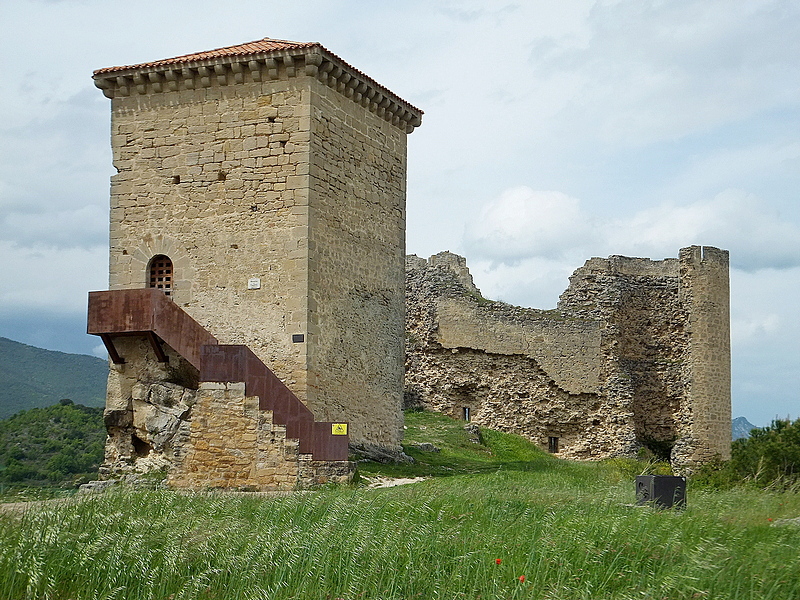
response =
{"points": [[161, 274]]}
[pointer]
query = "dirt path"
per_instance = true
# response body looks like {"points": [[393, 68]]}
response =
{"points": [[20, 507]]}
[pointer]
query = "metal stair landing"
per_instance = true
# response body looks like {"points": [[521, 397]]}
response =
{"points": [[149, 313]]}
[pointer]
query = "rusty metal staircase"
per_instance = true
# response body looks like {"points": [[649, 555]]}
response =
{"points": [[149, 313]]}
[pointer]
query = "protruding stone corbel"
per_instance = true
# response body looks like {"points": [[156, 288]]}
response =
{"points": [[375, 100], [140, 82], [172, 80], [288, 62], [324, 70], [366, 100], [344, 78], [382, 106], [123, 86], [222, 74], [106, 85], [155, 80], [272, 68], [313, 61], [205, 76], [333, 76], [359, 92], [188, 78], [255, 69], [238, 72]]}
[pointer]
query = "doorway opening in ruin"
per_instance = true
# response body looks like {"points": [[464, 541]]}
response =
{"points": [[466, 413], [140, 447], [161, 273], [552, 445]]}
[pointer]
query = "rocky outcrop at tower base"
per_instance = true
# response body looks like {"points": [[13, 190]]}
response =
{"points": [[616, 367]]}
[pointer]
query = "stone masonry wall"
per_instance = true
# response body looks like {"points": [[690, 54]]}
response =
{"points": [[356, 268], [487, 356], [216, 179], [207, 435], [644, 338], [232, 444], [705, 291]]}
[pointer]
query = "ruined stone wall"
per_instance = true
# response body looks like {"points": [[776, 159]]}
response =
{"points": [[532, 372], [356, 268], [637, 353], [644, 335]]}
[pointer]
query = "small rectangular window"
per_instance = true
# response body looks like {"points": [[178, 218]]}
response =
{"points": [[552, 445], [466, 413]]}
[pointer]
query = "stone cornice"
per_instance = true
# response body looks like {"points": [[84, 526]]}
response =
{"points": [[312, 60]]}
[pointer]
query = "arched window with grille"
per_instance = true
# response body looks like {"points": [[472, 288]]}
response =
{"points": [[161, 273]]}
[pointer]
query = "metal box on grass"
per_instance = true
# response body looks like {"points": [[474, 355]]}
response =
{"points": [[664, 491]]}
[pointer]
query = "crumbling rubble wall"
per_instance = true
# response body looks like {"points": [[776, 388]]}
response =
{"points": [[628, 359]]}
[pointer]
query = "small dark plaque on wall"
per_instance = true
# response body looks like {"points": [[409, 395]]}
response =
{"points": [[298, 338]]}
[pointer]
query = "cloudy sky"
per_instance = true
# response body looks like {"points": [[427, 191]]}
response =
{"points": [[554, 131]]}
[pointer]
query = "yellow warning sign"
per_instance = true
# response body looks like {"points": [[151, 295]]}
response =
{"points": [[339, 428]]}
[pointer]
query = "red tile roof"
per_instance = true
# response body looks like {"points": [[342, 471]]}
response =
{"points": [[257, 47]]}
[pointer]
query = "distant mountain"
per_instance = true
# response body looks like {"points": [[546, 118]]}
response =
{"points": [[740, 427], [31, 377]]}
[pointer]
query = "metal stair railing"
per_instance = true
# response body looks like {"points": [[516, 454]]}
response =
{"points": [[150, 313]]}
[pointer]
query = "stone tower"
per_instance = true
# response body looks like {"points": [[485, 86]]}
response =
{"points": [[262, 187], [705, 293]]}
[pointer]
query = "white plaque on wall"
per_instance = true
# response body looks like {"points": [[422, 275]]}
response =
{"points": [[254, 283]]}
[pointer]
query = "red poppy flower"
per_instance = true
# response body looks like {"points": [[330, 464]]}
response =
{"points": [[522, 578], [497, 561]]}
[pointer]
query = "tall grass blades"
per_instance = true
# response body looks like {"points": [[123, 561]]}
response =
{"points": [[500, 520], [438, 539]]}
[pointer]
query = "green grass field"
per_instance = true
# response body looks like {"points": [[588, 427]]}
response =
{"points": [[496, 521]]}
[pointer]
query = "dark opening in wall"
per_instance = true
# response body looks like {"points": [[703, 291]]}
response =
{"points": [[140, 447], [176, 179], [466, 413], [222, 176], [552, 445]]}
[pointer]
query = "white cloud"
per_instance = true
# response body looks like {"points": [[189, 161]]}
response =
{"points": [[523, 222], [51, 279], [86, 226], [765, 343], [661, 70], [534, 282]]}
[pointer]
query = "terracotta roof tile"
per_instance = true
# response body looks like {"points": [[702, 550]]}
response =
{"points": [[258, 47], [249, 48]]}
